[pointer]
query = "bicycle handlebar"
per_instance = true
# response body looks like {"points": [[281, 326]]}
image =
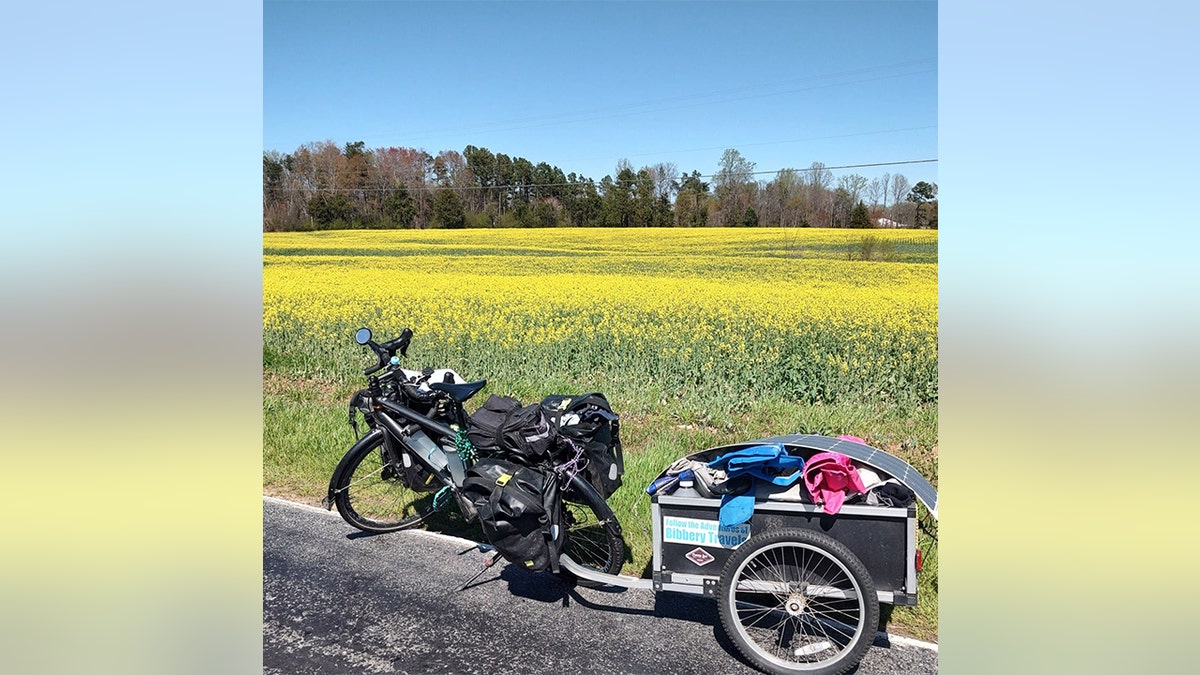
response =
{"points": [[388, 350], [399, 344]]}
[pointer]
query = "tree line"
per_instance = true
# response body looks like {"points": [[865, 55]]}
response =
{"points": [[323, 186]]}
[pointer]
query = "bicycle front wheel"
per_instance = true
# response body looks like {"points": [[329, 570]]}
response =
{"points": [[593, 533], [373, 495]]}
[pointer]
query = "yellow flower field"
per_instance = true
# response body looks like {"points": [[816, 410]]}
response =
{"points": [[698, 337], [729, 315]]}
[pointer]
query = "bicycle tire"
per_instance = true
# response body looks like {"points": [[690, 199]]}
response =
{"points": [[798, 601], [371, 493], [593, 540]]}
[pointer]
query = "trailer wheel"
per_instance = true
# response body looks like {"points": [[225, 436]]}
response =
{"points": [[798, 601]]}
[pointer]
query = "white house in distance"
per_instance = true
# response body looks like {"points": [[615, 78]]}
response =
{"points": [[888, 222]]}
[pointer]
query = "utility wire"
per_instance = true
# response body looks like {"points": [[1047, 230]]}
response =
{"points": [[530, 186], [844, 166], [750, 145]]}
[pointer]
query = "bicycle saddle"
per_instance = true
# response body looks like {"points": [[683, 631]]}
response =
{"points": [[460, 392]]}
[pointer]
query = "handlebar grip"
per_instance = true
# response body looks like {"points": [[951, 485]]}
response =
{"points": [[401, 343], [381, 353]]}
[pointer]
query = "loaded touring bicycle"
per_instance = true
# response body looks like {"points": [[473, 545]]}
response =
{"points": [[798, 581]]}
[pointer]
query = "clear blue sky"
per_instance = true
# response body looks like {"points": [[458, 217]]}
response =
{"points": [[582, 85]]}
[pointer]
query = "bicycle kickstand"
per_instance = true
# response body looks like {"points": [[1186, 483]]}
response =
{"points": [[487, 564]]}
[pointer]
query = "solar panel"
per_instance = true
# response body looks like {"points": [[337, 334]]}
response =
{"points": [[872, 457]]}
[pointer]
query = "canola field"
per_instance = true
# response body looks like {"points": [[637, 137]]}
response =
{"points": [[710, 320], [698, 337]]}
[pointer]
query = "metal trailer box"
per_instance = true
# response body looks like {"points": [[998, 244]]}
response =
{"points": [[690, 549]]}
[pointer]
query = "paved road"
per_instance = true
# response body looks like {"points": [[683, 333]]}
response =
{"points": [[338, 601]]}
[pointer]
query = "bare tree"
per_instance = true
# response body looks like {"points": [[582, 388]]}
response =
{"points": [[900, 188], [874, 189], [450, 169], [284, 193], [777, 199], [819, 177], [854, 185], [797, 207], [329, 164], [818, 180], [664, 174], [734, 188]]}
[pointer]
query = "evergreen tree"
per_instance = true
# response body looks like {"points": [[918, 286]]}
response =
{"points": [[448, 210], [399, 207], [860, 217], [328, 210], [691, 201], [922, 193]]}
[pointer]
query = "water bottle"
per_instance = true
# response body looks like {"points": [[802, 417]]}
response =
{"points": [[421, 444], [686, 487]]}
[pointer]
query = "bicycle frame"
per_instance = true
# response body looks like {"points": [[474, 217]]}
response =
{"points": [[392, 433], [411, 462]]}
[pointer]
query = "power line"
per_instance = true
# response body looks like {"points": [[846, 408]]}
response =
{"points": [[660, 153], [844, 166], [530, 186]]}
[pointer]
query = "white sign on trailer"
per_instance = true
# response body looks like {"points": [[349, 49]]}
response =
{"points": [[703, 532]]}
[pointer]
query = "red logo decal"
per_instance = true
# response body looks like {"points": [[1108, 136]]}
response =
{"points": [[699, 556]]}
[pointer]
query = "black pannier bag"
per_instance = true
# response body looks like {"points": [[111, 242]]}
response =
{"points": [[503, 428], [483, 426], [520, 511], [589, 421]]}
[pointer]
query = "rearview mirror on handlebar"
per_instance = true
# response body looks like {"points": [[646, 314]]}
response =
{"points": [[362, 336]]}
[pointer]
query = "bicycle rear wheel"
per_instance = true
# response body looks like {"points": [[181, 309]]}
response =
{"points": [[373, 495], [593, 533]]}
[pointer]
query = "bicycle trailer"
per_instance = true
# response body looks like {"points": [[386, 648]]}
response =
{"points": [[798, 588]]}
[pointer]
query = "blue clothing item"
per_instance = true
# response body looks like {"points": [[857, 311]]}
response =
{"points": [[736, 509], [765, 462]]}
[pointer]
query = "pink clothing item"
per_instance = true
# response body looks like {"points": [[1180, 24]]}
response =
{"points": [[829, 477], [848, 437]]}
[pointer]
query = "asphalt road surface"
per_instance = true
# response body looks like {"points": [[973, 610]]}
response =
{"points": [[336, 600]]}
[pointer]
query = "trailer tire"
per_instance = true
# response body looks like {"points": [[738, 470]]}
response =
{"points": [[798, 601]]}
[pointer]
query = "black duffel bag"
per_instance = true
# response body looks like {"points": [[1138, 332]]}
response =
{"points": [[589, 421], [520, 510], [503, 428]]}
